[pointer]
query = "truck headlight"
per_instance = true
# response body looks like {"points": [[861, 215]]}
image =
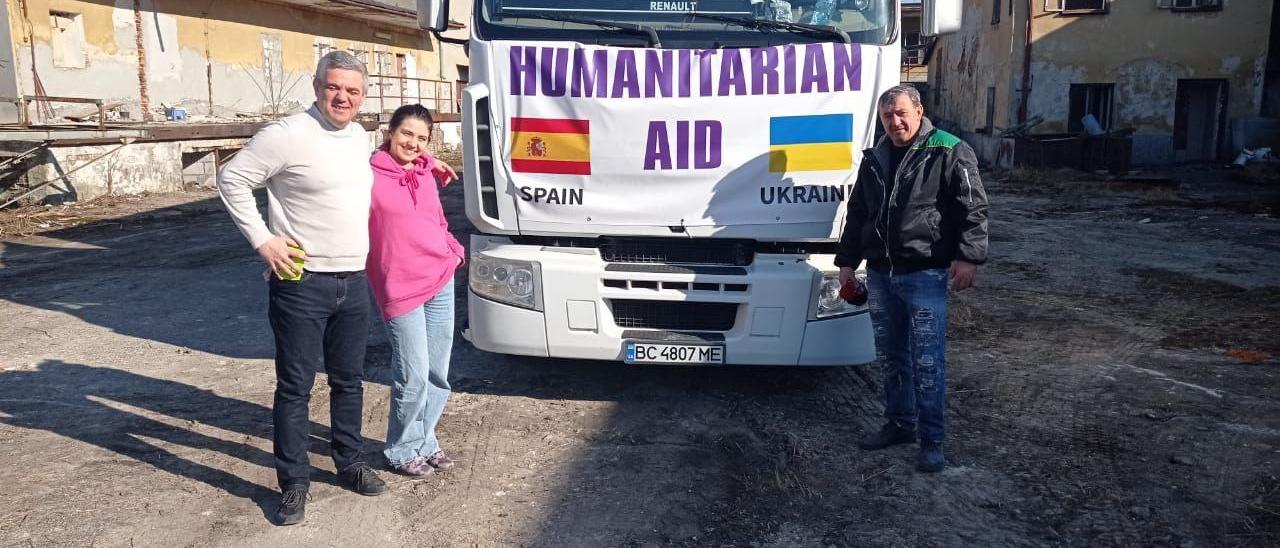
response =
{"points": [[518, 283], [829, 304]]}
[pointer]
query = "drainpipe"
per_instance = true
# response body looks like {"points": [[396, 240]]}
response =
{"points": [[142, 62], [209, 64], [1026, 68]]}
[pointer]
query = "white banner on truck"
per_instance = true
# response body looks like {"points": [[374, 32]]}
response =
{"points": [[661, 137]]}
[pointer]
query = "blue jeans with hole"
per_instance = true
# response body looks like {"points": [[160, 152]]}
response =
{"points": [[421, 343], [909, 314]]}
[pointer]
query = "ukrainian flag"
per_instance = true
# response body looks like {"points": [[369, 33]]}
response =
{"points": [[820, 142]]}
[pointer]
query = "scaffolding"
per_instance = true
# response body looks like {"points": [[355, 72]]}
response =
{"points": [[393, 92]]}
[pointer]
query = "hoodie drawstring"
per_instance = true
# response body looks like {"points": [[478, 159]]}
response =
{"points": [[410, 180]]}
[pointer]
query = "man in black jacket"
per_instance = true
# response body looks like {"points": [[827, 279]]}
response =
{"points": [[918, 216]]}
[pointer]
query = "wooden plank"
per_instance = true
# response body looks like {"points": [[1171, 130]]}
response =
{"points": [[91, 113], [54, 99], [183, 132]]}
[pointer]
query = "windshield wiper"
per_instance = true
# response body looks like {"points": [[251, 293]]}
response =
{"points": [[626, 27], [762, 24]]}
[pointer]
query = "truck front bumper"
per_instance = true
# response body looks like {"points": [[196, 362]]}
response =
{"points": [[771, 322]]}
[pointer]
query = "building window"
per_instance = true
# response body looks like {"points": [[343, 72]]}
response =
{"points": [[995, 11], [272, 59], [1076, 7], [323, 47], [1190, 5], [990, 128], [1089, 99], [464, 76], [67, 40], [360, 55], [1199, 119], [912, 49]]}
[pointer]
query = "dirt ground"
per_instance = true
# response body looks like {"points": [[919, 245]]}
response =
{"points": [[1112, 382]]}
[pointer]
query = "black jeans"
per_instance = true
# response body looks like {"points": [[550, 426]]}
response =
{"points": [[321, 320]]}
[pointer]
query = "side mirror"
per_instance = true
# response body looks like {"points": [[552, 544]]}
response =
{"points": [[940, 17], [433, 15]]}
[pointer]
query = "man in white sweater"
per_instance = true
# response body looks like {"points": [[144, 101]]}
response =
{"points": [[315, 166]]}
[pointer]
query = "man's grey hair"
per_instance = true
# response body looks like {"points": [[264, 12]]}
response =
{"points": [[891, 95], [338, 59]]}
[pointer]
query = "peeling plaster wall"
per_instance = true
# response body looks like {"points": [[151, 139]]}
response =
{"points": [[965, 64], [8, 64], [197, 49], [134, 168], [1144, 51]]}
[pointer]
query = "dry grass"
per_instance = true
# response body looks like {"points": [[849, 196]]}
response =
{"points": [[1259, 174], [31, 220], [1260, 523], [961, 319], [1031, 176]]}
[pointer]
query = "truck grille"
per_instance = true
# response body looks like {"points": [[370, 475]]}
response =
{"points": [[674, 315], [678, 251]]}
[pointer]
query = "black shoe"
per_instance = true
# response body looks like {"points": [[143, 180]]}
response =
{"points": [[293, 506], [359, 477], [930, 459], [890, 434]]}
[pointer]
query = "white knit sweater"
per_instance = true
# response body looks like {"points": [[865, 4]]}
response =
{"points": [[318, 187]]}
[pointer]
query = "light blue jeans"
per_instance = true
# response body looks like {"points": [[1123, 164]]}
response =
{"points": [[421, 342]]}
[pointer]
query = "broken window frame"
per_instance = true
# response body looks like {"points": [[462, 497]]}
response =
{"points": [[1062, 7], [323, 45], [1100, 95], [69, 29], [912, 49]]}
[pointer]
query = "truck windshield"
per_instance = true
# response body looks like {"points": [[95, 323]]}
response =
{"points": [[689, 24]]}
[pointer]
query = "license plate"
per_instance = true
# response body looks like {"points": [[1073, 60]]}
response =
{"points": [[638, 352]]}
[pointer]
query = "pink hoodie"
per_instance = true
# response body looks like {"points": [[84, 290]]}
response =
{"points": [[411, 252]]}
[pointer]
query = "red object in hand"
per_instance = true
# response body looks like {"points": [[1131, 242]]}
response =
{"points": [[854, 292]]}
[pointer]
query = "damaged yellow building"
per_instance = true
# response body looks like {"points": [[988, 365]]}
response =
{"points": [[221, 58], [184, 82], [1176, 80]]}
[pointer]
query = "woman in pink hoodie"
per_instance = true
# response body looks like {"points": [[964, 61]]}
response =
{"points": [[411, 262]]}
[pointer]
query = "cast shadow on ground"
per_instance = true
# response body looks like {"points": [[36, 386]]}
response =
{"points": [[182, 276], [119, 411]]}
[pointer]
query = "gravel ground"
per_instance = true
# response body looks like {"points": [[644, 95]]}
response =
{"points": [[1112, 383]]}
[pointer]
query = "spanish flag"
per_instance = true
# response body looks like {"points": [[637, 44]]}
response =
{"points": [[811, 143], [551, 145]]}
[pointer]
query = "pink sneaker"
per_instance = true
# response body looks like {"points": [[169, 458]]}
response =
{"points": [[417, 467], [439, 461]]}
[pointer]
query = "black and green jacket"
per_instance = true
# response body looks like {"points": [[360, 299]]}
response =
{"points": [[936, 213]]}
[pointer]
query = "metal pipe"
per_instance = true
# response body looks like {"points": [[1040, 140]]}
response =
{"points": [[1026, 68], [142, 61]]}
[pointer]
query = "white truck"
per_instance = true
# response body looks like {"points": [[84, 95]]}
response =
{"points": [[664, 182]]}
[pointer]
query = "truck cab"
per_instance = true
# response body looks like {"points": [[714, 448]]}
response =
{"points": [[664, 182]]}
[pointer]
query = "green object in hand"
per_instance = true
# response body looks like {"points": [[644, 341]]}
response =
{"points": [[298, 264]]}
